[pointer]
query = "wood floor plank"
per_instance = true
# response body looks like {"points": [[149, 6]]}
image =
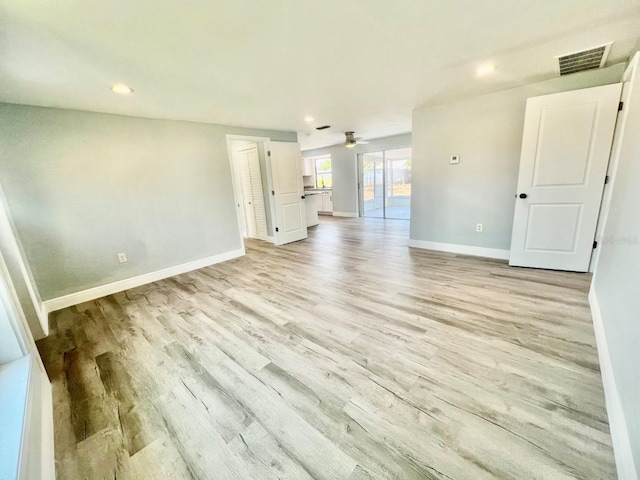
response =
{"points": [[344, 356]]}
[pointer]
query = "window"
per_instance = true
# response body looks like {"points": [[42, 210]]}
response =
{"points": [[323, 172]]}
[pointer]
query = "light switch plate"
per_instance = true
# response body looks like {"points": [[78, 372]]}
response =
{"points": [[454, 159]]}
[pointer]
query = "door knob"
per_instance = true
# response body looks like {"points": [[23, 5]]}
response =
{"points": [[523, 195], [303, 197]]}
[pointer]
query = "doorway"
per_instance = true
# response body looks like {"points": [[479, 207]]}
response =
{"points": [[385, 183]]}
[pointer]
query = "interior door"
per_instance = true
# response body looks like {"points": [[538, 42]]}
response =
{"points": [[288, 192], [565, 152], [248, 167]]}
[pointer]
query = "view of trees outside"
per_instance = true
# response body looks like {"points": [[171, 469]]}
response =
{"points": [[324, 178]]}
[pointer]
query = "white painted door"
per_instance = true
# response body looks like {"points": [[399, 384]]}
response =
{"points": [[565, 151], [286, 171], [248, 163]]}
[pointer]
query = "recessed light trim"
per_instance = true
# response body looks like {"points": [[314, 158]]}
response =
{"points": [[485, 69], [308, 119], [122, 89]]}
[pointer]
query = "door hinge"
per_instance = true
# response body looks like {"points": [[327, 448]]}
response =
{"points": [[277, 230], [620, 105], [268, 153], [606, 179], [595, 244]]}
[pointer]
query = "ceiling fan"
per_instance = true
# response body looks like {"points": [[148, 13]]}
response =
{"points": [[351, 140]]}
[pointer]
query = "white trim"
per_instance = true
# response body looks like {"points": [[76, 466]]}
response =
{"points": [[48, 470], [271, 239], [617, 425], [103, 290], [248, 138], [462, 249], [628, 84], [345, 214], [15, 251]]}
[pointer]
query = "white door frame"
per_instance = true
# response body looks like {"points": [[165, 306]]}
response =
{"points": [[262, 143], [614, 159]]}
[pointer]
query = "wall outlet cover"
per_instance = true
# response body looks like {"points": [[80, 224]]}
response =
{"points": [[122, 257], [454, 159]]}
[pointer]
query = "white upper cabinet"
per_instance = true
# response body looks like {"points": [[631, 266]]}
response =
{"points": [[308, 167]]}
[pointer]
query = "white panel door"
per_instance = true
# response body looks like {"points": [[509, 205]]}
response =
{"points": [[288, 192], [565, 152]]}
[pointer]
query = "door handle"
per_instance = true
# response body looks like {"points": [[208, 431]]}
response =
{"points": [[523, 195]]}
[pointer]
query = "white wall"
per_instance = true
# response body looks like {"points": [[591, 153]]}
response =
{"points": [[344, 168], [615, 295], [448, 200], [82, 187]]}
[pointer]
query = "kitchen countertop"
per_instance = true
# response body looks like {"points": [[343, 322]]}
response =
{"points": [[316, 191]]}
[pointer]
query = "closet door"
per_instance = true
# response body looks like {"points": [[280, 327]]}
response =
{"points": [[252, 193]]}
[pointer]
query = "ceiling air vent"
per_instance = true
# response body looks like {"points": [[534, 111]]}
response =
{"points": [[585, 60], [324, 127]]}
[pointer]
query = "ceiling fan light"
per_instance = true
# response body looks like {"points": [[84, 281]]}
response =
{"points": [[350, 140]]}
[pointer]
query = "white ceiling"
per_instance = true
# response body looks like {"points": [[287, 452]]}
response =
{"points": [[360, 65]]}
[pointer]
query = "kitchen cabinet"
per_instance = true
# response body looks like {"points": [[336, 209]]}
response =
{"points": [[311, 210], [324, 201], [327, 202], [308, 168]]}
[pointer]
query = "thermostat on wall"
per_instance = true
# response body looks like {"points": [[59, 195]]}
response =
{"points": [[454, 159]]}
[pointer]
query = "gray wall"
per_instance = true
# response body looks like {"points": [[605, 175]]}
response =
{"points": [[344, 168], [82, 187], [448, 200], [617, 274]]}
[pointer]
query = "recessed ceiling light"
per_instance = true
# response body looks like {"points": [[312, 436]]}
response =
{"points": [[122, 89], [485, 69], [308, 119]]}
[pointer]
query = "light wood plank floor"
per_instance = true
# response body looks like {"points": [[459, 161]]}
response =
{"points": [[345, 356]]}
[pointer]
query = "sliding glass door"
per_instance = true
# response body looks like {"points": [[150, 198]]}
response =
{"points": [[385, 183], [372, 185]]}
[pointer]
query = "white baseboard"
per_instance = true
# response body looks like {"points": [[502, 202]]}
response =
{"points": [[345, 214], [617, 424], [43, 315], [103, 290], [462, 249], [271, 239]]}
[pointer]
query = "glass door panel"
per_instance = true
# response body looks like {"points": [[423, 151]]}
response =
{"points": [[372, 182], [398, 183], [385, 184]]}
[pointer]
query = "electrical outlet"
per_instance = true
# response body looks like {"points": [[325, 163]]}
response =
{"points": [[454, 159], [478, 227], [122, 257]]}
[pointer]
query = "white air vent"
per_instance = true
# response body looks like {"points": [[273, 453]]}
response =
{"points": [[585, 60]]}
